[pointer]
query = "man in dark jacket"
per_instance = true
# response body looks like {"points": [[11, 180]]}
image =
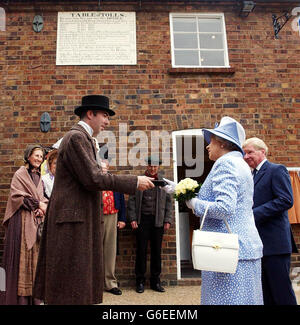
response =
{"points": [[70, 268], [150, 215], [273, 197]]}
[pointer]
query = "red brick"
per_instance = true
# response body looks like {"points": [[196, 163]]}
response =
{"points": [[261, 88]]}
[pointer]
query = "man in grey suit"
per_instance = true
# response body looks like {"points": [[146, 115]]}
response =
{"points": [[150, 215]]}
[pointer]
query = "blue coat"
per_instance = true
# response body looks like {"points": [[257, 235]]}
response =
{"points": [[120, 205], [273, 197], [229, 186]]}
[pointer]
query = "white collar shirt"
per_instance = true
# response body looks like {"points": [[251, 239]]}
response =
{"points": [[258, 167]]}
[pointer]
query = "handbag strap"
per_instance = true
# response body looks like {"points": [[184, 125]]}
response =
{"points": [[204, 215]]}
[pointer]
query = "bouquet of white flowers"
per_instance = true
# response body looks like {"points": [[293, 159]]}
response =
{"points": [[186, 190]]}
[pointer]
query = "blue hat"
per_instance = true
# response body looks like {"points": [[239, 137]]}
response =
{"points": [[228, 129]]}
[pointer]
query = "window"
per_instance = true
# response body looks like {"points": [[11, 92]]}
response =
{"points": [[2, 20], [198, 40]]}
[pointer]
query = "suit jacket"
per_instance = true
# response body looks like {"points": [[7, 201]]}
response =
{"points": [[229, 188], [273, 197], [70, 268], [163, 207]]}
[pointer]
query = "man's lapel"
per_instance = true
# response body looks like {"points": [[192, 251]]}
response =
{"points": [[139, 197], [261, 172], [90, 139]]}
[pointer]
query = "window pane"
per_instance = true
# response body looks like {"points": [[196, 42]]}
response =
{"points": [[184, 24], [185, 41], [186, 58], [211, 41], [209, 25], [212, 58], [198, 40]]}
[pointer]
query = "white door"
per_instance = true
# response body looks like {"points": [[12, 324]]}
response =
{"points": [[188, 161]]}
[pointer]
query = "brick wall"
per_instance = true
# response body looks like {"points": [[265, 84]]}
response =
{"points": [[263, 92]]}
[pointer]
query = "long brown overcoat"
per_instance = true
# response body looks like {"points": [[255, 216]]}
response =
{"points": [[70, 266]]}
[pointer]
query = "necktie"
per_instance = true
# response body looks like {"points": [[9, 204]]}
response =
{"points": [[254, 172]]}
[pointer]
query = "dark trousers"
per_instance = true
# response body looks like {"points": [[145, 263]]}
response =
{"points": [[276, 283], [147, 232]]}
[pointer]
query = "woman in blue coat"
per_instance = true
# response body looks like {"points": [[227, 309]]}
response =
{"points": [[229, 189]]}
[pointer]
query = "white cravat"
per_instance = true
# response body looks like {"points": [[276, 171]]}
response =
{"points": [[96, 144], [88, 129]]}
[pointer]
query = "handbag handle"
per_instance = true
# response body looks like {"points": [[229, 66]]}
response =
{"points": [[204, 215]]}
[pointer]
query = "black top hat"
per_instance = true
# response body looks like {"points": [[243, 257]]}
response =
{"points": [[94, 102]]}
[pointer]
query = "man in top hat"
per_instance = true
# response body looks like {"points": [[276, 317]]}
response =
{"points": [[150, 215], [70, 268]]}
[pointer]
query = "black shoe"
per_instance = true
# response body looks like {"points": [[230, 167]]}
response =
{"points": [[115, 291], [157, 287], [140, 288]]}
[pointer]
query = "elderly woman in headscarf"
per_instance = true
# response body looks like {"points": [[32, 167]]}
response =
{"points": [[25, 210], [228, 190]]}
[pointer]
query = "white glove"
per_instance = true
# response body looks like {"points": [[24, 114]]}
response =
{"points": [[170, 188], [191, 203]]}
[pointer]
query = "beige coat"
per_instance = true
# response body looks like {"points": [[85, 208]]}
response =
{"points": [[21, 187], [70, 267]]}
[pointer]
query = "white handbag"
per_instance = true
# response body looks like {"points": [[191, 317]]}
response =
{"points": [[215, 251]]}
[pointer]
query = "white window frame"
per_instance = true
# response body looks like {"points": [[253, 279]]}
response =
{"points": [[199, 15]]}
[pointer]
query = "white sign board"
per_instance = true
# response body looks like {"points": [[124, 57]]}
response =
{"points": [[96, 38]]}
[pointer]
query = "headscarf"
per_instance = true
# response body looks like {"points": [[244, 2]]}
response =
{"points": [[28, 152]]}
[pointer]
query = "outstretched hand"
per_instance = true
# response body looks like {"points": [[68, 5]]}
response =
{"points": [[144, 183]]}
